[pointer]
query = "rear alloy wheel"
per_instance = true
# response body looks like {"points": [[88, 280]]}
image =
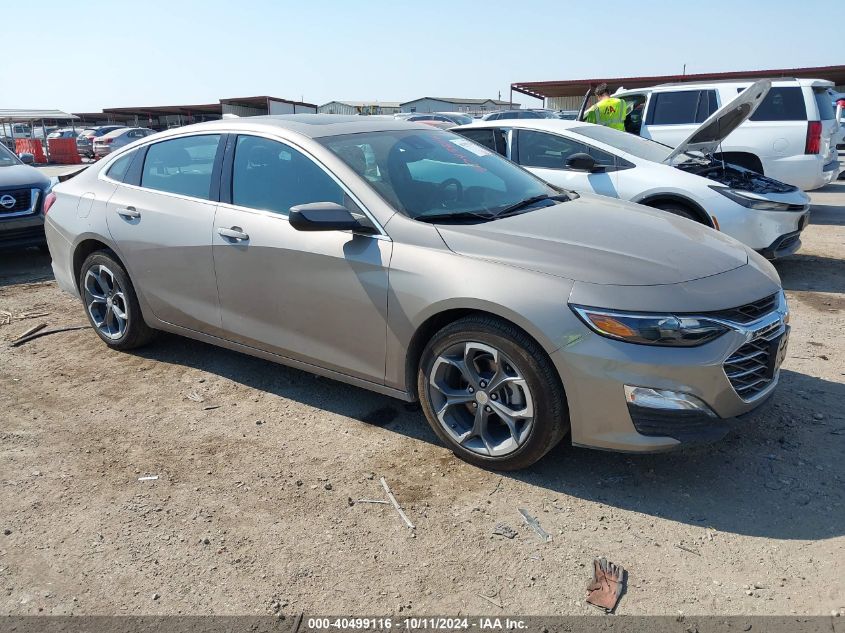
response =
{"points": [[111, 303], [491, 394]]}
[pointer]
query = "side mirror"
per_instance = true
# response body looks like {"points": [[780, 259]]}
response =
{"points": [[321, 216], [581, 162], [27, 158]]}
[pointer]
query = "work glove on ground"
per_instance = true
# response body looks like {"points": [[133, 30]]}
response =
{"points": [[606, 587]]}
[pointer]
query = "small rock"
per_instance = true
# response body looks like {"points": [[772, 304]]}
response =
{"points": [[818, 416], [205, 541], [350, 502], [757, 585], [802, 499], [502, 529], [7, 531], [747, 627], [298, 482], [748, 592], [258, 423], [156, 596], [328, 486]]}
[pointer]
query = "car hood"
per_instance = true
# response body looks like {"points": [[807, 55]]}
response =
{"points": [[600, 240], [716, 128], [22, 176]]}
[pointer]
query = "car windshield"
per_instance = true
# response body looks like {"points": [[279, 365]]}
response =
{"points": [[438, 174], [628, 143], [7, 159]]}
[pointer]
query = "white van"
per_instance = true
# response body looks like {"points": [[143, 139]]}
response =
{"points": [[790, 137]]}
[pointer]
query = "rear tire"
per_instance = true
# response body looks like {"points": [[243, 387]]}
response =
{"points": [[504, 407], [111, 303]]}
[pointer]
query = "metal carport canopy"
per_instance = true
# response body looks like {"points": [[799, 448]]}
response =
{"points": [[577, 87], [20, 116]]}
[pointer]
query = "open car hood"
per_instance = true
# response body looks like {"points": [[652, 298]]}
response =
{"points": [[722, 122]]}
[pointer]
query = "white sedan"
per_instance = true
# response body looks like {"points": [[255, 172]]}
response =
{"points": [[763, 213]]}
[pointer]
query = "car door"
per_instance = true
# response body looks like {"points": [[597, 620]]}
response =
{"points": [[316, 297], [161, 217], [671, 116], [545, 154]]}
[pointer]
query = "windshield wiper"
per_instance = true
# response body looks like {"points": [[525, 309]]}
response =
{"points": [[458, 215], [528, 202]]}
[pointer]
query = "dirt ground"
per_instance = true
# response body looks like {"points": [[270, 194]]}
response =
{"points": [[260, 469]]}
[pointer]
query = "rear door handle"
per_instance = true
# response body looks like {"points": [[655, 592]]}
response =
{"points": [[234, 233], [129, 212]]}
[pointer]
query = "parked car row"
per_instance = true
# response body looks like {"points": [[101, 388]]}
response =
{"points": [[418, 263]]}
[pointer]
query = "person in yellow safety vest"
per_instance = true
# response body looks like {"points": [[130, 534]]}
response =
{"points": [[609, 111]]}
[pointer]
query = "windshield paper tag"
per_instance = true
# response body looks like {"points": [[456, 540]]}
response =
{"points": [[471, 147]]}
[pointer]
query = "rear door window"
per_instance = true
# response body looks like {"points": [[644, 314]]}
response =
{"points": [[673, 108], [492, 139], [781, 104], [119, 168], [181, 165]]}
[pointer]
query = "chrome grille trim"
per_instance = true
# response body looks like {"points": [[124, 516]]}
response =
{"points": [[746, 367]]}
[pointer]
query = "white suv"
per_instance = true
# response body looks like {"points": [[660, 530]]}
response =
{"points": [[789, 137]]}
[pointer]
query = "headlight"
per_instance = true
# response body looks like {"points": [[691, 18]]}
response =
{"points": [[650, 329], [752, 202]]}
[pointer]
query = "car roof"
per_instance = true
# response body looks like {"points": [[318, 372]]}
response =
{"points": [[550, 125], [308, 125], [776, 81]]}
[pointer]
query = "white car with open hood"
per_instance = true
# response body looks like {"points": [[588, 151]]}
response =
{"points": [[788, 138], [763, 213]]}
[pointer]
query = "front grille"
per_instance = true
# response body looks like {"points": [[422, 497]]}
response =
{"points": [[750, 368], [23, 200], [748, 312]]}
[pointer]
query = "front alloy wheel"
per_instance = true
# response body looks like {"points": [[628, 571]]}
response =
{"points": [[491, 393], [481, 399]]}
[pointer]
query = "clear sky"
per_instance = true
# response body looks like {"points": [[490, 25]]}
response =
{"points": [[89, 54]]}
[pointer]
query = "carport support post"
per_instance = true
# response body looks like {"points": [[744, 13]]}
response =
{"points": [[44, 136]]}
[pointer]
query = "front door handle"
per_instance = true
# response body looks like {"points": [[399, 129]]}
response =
{"points": [[234, 233], [129, 213]]}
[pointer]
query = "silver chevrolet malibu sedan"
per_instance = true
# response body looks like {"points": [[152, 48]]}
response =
{"points": [[413, 262]]}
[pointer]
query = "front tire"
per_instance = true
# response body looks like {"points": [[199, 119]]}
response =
{"points": [[678, 209], [111, 303], [491, 393]]}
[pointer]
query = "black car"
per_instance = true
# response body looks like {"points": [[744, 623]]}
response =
{"points": [[23, 190]]}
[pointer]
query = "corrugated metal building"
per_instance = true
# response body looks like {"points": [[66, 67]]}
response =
{"points": [[448, 104], [359, 107], [164, 117]]}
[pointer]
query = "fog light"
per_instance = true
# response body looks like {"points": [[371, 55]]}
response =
{"points": [[664, 399]]}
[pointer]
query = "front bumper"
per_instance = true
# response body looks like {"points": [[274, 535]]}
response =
{"points": [[784, 245], [595, 370], [691, 427], [22, 233]]}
